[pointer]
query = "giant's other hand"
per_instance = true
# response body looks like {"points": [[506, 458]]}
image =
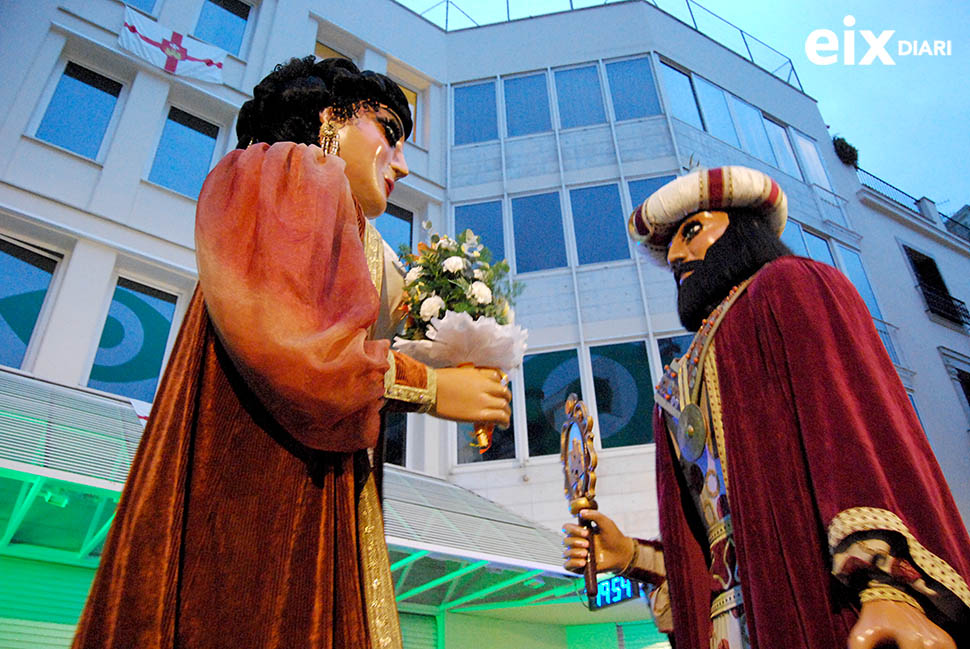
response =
{"points": [[473, 394], [613, 549], [885, 620]]}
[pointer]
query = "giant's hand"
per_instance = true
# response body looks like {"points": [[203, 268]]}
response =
{"points": [[473, 394], [613, 549], [884, 620]]}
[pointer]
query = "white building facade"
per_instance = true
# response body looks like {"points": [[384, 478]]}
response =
{"points": [[540, 134]]}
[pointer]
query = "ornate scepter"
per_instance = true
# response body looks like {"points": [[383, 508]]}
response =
{"points": [[579, 469]]}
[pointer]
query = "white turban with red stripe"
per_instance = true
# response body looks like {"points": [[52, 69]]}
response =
{"points": [[655, 221]]}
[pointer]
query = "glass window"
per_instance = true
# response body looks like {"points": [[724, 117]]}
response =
{"points": [[580, 98], [632, 89], [751, 125], [26, 274], [395, 225], [144, 5], [322, 51], [539, 241], [184, 153], [412, 98], [818, 248], [792, 237], [640, 190], [857, 275], [485, 220], [527, 105], [503, 444], [549, 379], [717, 116], [223, 23], [624, 394], [680, 96], [78, 114], [782, 148], [476, 119], [673, 347], [129, 357], [811, 162], [598, 223]]}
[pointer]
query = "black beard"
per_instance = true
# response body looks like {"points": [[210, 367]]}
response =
{"points": [[746, 245]]}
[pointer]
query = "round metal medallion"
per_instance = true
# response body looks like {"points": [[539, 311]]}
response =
{"points": [[691, 433]]}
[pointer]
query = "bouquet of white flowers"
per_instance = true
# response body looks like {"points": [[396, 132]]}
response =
{"points": [[459, 309]]}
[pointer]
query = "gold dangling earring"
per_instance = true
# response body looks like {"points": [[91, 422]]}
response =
{"points": [[328, 139]]}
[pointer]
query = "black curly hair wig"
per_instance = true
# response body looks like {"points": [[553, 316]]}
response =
{"points": [[286, 104]]}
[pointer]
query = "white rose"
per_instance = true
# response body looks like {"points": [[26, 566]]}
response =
{"points": [[454, 264], [432, 307], [479, 292], [413, 275], [446, 242], [478, 273]]}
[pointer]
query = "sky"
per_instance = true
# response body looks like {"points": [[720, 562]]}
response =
{"points": [[909, 121]]}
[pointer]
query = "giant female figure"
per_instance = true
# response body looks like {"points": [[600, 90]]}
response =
{"points": [[251, 516]]}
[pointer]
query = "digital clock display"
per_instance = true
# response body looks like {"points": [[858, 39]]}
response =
{"points": [[613, 591]]}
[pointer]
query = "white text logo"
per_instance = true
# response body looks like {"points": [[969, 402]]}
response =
{"points": [[877, 46]]}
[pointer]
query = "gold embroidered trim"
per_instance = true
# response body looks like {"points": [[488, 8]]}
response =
{"points": [[714, 398], [864, 519], [374, 253], [720, 530], [381, 611], [390, 376], [726, 601], [883, 592], [426, 396]]}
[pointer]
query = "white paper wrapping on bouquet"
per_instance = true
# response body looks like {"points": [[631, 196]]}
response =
{"points": [[456, 338]]}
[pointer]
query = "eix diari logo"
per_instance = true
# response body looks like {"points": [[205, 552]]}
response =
{"points": [[878, 47]]}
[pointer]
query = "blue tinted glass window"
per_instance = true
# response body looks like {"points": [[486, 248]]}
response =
{"points": [[818, 248], [673, 347], [782, 148], [752, 127], [485, 220], [549, 379], [640, 190], [599, 224], [580, 98], [632, 89], [857, 274], [680, 96], [476, 119], [717, 117], [792, 237], [395, 226], [223, 23], [132, 346], [537, 224], [503, 444], [811, 162], [184, 153], [79, 111], [144, 5], [624, 394], [527, 105], [25, 276]]}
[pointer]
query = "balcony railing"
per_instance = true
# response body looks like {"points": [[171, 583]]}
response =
{"points": [[889, 191], [453, 15], [956, 228], [945, 305]]}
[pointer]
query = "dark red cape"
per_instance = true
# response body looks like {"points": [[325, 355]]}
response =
{"points": [[816, 421]]}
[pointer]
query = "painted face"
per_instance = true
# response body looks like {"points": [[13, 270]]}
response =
{"points": [[693, 238], [372, 148]]}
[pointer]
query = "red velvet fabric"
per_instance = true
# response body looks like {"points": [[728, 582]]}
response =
{"points": [[816, 421], [237, 527]]}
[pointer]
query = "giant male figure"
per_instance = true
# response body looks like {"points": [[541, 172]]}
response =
{"points": [[800, 503]]}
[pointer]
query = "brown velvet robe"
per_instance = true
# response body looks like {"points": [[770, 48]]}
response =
{"points": [[249, 518]]}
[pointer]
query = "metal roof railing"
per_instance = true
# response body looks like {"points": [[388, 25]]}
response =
{"points": [[452, 15], [910, 202]]}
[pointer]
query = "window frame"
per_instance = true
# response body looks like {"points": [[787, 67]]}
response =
{"points": [[47, 96], [544, 72], [140, 272], [574, 261], [217, 149], [499, 103], [608, 87], [44, 247], [245, 42], [597, 66], [568, 242]]}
